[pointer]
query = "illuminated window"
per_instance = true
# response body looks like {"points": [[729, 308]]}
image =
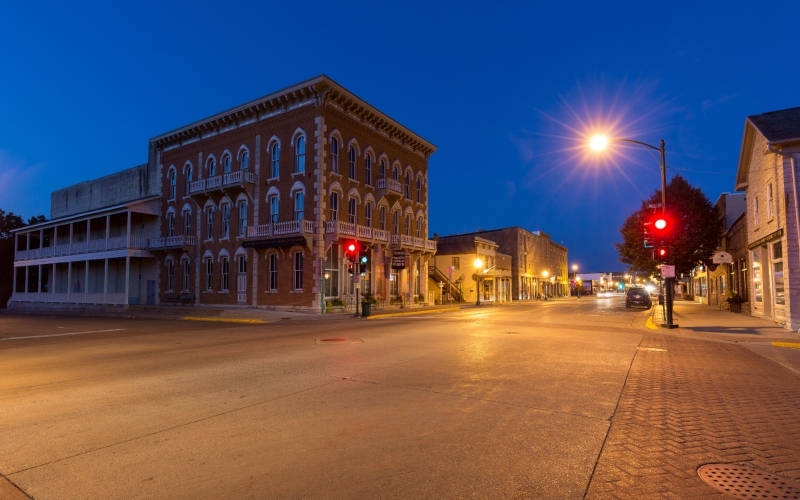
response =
{"points": [[334, 155], [300, 155]]}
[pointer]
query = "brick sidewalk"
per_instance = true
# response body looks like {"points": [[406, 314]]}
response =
{"points": [[688, 402]]}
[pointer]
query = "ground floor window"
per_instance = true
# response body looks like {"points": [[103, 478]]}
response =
{"points": [[225, 274], [332, 271], [186, 274], [394, 284], [273, 272], [209, 274], [777, 274], [170, 275], [298, 270], [758, 291]]}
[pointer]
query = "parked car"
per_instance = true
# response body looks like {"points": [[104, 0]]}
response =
{"points": [[638, 297]]}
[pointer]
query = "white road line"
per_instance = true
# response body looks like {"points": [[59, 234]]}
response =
{"points": [[63, 334]]}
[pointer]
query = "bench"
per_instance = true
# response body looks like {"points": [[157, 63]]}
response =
{"points": [[186, 298], [170, 299]]}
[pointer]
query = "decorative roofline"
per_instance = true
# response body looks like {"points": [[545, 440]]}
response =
{"points": [[320, 91]]}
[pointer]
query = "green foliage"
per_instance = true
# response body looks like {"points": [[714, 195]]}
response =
{"points": [[734, 298], [696, 230]]}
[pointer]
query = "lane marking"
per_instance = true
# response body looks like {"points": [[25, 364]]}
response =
{"points": [[63, 334], [650, 324], [790, 345], [226, 320]]}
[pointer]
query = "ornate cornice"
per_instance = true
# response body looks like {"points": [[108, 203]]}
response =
{"points": [[319, 91]]}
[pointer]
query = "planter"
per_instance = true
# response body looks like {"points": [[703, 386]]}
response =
{"points": [[736, 308]]}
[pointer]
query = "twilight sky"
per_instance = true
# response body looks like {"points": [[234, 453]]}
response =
{"points": [[507, 91]]}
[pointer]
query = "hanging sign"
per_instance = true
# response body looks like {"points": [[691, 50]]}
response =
{"points": [[722, 258], [399, 259]]}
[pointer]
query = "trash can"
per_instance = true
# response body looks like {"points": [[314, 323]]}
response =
{"points": [[366, 308]]}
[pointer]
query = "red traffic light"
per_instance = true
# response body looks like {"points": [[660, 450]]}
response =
{"points": [[351, 247], [661, 223]]}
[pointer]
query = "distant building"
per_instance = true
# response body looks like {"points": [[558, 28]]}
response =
{"points": [[250, 207], [767, 173], [538, 265], [455, 258]]}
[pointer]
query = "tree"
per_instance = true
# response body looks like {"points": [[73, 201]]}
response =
{"points": [[696, 229], [8, 222]]}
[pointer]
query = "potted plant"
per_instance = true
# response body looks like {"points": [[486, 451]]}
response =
{"points": [[735, 302]]}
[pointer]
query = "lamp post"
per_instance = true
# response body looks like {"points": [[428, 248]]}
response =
{"points": [[599, 143], [575, 272], [478, 265], [545, 274]]}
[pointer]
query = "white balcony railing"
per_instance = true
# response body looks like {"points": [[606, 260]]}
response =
{"points": [[232, 178], [281, 228], [391, 185], [364, 232], [197, 186], [259, 231], [214, 182], [381, 235], [70, 298], [155, 242]]}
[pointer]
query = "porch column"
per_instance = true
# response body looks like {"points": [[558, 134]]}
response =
{"points": [[128, 233], [128, 268], [53, 280], [88, 234], [108, 227], [105, 281], [28, 246], [86, 280], [39, 285], [69, 276], [71, 230], [26, 274]]}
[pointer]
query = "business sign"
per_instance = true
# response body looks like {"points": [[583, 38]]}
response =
{"points": [[722, 258], [399, 259], [667, 271]]}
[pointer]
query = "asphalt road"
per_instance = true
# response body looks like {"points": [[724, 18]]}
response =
{"points": [[493, 402]]}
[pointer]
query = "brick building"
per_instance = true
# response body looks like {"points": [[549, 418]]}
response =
{"points": [[538, 265], [255, 203], [767, 173], [456, 257]]}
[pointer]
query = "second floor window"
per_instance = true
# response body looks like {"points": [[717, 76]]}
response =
{"points": [[226, 164], [334, 155], [187, 223], [226, 221], [276, 161], [368, 170], [456, 263], [382, 170], [300, 155], [211, 166], [334, 208], [352, 163], [419, 227], [273, 208], [210, 224], [170, 225], [419, 190], [408, 224], [368, 215], [299, 205], [396, 222], [770, 201], [189, 179], [173, 184], [352, 214], [244, 160], [408, 186], [383, 219], [243, 218]]}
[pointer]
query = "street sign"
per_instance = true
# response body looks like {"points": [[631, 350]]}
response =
{"points": [[667, 271], [722, 258], [356, 278], [399, 259]]}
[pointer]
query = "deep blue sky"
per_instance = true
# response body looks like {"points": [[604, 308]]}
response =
{"points": [[507, 93]]}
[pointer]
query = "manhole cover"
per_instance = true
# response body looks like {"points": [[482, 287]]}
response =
{"points": [[745, 482]]}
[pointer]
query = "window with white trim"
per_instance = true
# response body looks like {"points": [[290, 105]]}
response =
{"points": [[173, 184], [778, 279], [755, 212], [334, 206], [419, 190], [187, 223], [170, 275], [243, 218], [210, 223], [187, 275], [382, 170], [209, 274], [298, 270], [170, 224], [299, 205], [272, 284], [244, 160], [226, 220], [352, 211], [242, 264], [226, 164], [396, 222], [225, 274], [189, 179], [395, 173], [408, 185], [368, 170], [273, 208], [352, 163], [408, 224], [300, 155], [276, 161], [419, 227], [211, 166], [334, 155], [383, 219], [368, 214], [770, 201]]}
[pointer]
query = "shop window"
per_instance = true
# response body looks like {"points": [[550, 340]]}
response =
{"points": [[777, 274], [273, 272]]}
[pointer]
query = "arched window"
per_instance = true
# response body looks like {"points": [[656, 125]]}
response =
{"points": [[419, 189], [396, 222], [210, 223], [382, 170], [408, 224], [209, 273], [274, 204], [298, 270], [419, 227], [300, 155], [189, 179], [368, 214], [383, 219], [226, 164], [408, 185], [368, 170], [334, 155], [211, 166], [187, 273], [352, 163], [299, 205], [395, 173], [334, 206], [187, 222], [352, 211], [170, 224], [226, 220], [225, 274], [244, 160], [243, 218], [170, 274], [272, 285], [173, 183], [276, 161]]}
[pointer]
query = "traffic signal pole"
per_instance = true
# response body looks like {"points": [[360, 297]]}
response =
{"points": [[669, 283]]}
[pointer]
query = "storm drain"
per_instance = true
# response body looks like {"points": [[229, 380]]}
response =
{"points": [[745, 482], [337, 340], [511, 333]]}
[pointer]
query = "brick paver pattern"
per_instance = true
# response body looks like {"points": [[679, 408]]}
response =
{"points": [[697, 402]]}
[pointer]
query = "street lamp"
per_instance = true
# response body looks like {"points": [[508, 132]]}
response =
{"points": [[478, 265], [601, 142], [545, 274]]}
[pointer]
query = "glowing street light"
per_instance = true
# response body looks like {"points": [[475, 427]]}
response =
{"points": [[478, 266], [601, 142]]}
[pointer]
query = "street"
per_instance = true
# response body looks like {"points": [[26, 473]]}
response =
{"points": [[552, 399]]}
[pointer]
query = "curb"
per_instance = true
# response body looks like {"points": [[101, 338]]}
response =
{"points": [[427, 311], [225, 320]]}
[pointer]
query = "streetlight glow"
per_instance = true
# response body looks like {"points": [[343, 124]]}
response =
{"points": [[598, 142], [478, 263]]}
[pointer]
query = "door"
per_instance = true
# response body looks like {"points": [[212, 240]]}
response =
{"points": [[151, 293], [241, 281]]}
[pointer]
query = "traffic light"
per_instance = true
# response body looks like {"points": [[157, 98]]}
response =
{"points": [[364, 263], [350, 250], [648, 234], [661, 254]]}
